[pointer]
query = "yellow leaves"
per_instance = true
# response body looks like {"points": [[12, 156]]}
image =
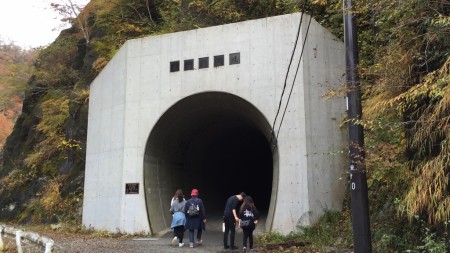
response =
{"points": [[34, 159], [54, 143], [433, 88], [55, 111], [69, 144], [47, 202], [81, 96], [441, 21], [366, 124], [14, 180], [99, 64], [442, 208], [51, 195], [428, 192], [319, 2], [129, 29], [432, 124]]}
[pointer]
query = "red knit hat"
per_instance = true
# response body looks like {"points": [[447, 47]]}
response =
{"points": [[194, 192]]}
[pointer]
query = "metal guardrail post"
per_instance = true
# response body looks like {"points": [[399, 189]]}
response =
{"points": [[30, 236], [18, 241], [48, 247], [1, 239]]}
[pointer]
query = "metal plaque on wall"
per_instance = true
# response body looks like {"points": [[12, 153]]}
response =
{"points": [[132, 188]]}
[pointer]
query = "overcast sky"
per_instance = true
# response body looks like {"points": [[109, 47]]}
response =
{"points": [[30, 23]]}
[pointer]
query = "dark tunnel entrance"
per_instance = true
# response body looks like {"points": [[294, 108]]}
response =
{"points": [[215, 142]]}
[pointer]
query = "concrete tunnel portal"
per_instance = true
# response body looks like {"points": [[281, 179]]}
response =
{"points": [[213, 141], [156, 124]]}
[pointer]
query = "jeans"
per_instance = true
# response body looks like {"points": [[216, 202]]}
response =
{"points": [[230, 228], [191, 235]]}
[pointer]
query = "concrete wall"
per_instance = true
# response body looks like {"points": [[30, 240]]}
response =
{"points": [[137, 88], [326, 146], [105, 149]]}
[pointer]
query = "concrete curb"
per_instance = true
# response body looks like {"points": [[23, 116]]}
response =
{"points": [[30, 236]]}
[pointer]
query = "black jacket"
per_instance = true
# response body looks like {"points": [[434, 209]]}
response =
{"points": [[248, 214]]}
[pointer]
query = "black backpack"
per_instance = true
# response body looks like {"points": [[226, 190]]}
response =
{"points": [[193, 210]]}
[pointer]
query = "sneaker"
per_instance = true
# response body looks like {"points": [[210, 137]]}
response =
{"points": [[191, 245], [244, 249], [199, 242], [226, 247], [174, 240], [233, 247], [181, 244]]}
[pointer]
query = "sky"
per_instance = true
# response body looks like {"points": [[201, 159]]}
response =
{"points": [[30, 23]]}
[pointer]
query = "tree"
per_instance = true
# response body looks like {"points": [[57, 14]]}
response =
{"points": [[15, 71], [71, 13]]}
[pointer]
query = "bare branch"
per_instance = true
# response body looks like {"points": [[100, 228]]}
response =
{"points": [[71, 12]]}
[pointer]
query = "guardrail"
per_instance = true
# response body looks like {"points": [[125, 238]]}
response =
{"points": [[30, 236]]}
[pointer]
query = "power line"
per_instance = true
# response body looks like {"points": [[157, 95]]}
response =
{"points": [[289, 67], [275, 137], [295, 76]]}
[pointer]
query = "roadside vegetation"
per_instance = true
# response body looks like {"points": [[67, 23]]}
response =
{"points": [[405, 74]]}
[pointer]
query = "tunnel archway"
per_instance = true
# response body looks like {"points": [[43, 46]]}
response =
{"points": [[213, 141]]}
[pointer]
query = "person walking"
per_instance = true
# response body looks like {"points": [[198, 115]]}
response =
{"points": [[196, 217], [248, 218], [174, 198], [178, 218], [230, 217]]}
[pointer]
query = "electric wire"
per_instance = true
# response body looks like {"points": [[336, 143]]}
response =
{"points": [[295, 77], [275, 137], [289, 67]]}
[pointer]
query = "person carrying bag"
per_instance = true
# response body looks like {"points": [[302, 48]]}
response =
{"points": [[248, 218]]}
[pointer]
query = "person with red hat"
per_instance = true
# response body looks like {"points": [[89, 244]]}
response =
{"points": [[196, 217]]}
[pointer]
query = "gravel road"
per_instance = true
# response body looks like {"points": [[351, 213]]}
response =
{"points": [[212, 242], [77, 243]]}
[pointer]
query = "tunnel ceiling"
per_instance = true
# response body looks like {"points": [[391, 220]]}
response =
{"points": [[213, 112]]}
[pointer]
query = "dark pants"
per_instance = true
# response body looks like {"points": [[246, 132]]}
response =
{"points": [[179, 232], [230, 228], [248, 234], [199, 234]]}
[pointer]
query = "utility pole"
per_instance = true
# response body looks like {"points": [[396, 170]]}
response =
{"points": [[358, 181]]}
